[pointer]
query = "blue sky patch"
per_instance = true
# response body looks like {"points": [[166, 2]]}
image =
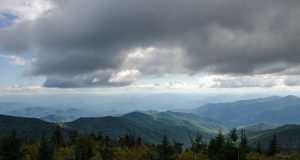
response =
{"points": [[7, 19]]}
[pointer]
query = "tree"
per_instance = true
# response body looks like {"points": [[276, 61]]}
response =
{"points": [[97, 157], [73, 135], [273, 146], [215, 147], [57, 138], [199, 144], [243, 146], [107, 140], [45, 150], [30, 151], [228, 151], [231, 147], [177, 148], [99, 136], [165, 149], [10, 147], [189, 155], [84, 148], [139, 141], [258, 148], [233, 136], [64, 153], [255, 156], [108, 152], [299, 148]]}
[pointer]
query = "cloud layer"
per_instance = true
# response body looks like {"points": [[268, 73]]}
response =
{"points": [[110, 42]]}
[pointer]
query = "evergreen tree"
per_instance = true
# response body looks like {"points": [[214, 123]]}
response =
{"points": [[233, 136], [298, 148], [199, 144], [243, 146], [10, 148], [215, 147], [258, 148], [107, 140], [73, 135], [129, 141], [107, 151], [232, 144], [139, 141], [228, 151], [84, 148], [177, 148], [57, 138], [99, 136], [45, 150], [97, 157], [273, 146], [165, 149]]}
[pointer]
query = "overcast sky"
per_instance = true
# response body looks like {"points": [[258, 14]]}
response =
{"points": [[149, 45]]}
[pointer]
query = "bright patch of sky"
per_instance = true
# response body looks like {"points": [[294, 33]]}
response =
{"points": [[25, 9], [168, 78], [11, 70], [7, 19]]}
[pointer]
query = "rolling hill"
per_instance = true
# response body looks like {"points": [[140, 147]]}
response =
{"points": [[151, 126], [287, 135], [27, 128], [51, 114], [273, 110], [252, 130]]}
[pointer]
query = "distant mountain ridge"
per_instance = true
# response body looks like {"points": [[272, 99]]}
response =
{"points": [[274, 110], [51, 114], [106, 104]]}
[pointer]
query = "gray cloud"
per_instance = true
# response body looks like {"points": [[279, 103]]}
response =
{"points": [[263, 81], [156, 61], [77, 39]]}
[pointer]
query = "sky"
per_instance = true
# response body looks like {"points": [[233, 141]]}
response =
{"points": [[53, 46]]}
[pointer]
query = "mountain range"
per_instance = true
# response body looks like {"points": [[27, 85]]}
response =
{"points": [[52, 114], [259, 118], [56, 107], [151, 126], [273, 110], [288, 136]]}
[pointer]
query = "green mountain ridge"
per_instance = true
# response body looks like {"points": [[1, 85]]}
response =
{"points": [[27, 128], [252, 130], [150, 126], [287, 135]]}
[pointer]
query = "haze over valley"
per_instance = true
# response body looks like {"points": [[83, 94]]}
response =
{"points": [[149, 80]]}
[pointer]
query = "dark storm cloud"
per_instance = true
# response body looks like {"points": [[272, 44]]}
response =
{"points": [[79, 38]]}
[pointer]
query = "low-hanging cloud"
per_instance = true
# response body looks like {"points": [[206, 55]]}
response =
{"points": [[83, 43]]}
